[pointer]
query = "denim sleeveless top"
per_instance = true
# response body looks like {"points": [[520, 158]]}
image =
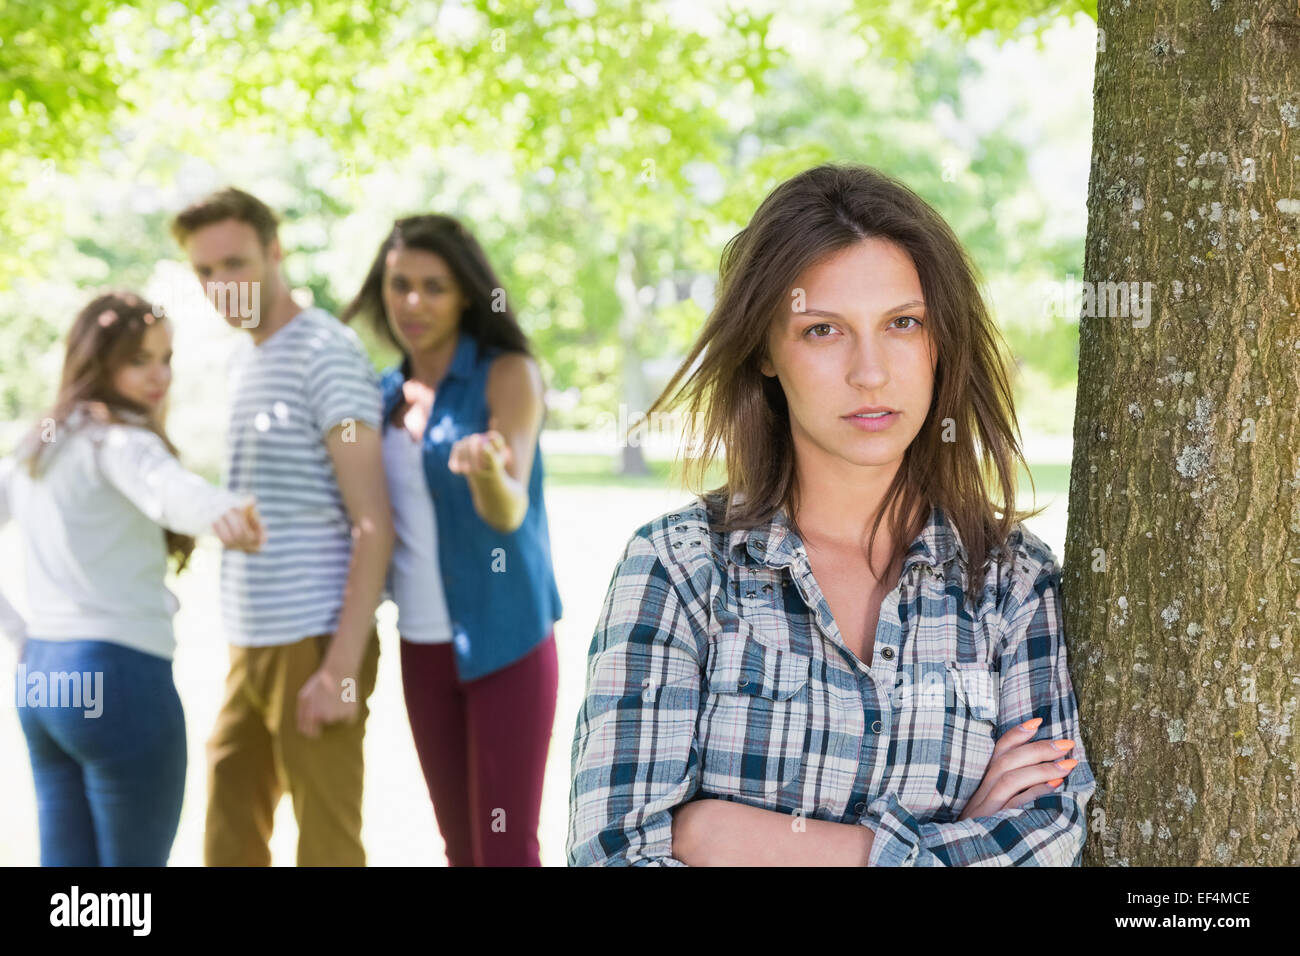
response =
{"points": [[500, 588]]}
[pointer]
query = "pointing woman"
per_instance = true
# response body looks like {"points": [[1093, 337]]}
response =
{"points": [[471, 572]]}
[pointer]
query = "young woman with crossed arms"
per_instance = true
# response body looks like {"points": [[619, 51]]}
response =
{"points": [[847, 654]]}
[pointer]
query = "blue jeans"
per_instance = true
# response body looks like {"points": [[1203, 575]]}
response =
{"points": [[108, 751]]}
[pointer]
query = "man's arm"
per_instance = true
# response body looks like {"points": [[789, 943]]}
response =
{"points": [[358, 467]]}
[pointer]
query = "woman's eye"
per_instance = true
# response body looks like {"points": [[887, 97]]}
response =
{"points": [[819, 325], [909, 318]]}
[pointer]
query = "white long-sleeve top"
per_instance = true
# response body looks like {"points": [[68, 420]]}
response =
{"points": [[92, 532]]}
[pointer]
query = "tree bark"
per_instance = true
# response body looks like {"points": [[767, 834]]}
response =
{"points": [[1181, 574]]}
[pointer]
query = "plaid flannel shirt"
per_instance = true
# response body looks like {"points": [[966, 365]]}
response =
{"points": [[716, 670]]}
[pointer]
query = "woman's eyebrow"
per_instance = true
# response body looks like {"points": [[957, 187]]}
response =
{"points": [[911, 304]]}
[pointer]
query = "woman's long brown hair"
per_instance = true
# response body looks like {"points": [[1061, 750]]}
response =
{"points": [[106, 334], [803, 220]]}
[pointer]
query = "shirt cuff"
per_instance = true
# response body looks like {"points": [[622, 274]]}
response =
{"points": [[897, 840], [208, 505]]}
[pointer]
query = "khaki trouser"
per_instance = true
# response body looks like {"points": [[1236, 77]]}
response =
{"points": [[256, 753]]}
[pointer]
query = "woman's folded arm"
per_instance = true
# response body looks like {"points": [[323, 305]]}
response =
{"points": [[1050, 831], [634, 756]]}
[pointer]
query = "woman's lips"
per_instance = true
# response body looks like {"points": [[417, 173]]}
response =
{"points": [[872, 424]]}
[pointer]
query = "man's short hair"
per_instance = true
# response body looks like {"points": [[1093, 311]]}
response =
{"points": [[228, 203]]}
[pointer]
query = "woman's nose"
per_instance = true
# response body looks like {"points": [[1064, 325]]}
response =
{"points": [[868, 369]]}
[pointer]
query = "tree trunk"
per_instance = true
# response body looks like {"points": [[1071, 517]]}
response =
{"points": [[635, 392], [1182, 569]]}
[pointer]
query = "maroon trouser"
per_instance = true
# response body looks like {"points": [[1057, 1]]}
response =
{"points": [[482, 747]]}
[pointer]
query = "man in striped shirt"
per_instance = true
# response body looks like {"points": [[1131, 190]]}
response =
{"points": [[304, 438]]}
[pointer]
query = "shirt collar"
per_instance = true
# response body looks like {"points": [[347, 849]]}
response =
{"points": [[775, 544]]}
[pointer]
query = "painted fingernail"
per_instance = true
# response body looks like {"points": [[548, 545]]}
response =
{"points": [[1031, 724], [1063, 744], [1055, 783], [1067, 764]]}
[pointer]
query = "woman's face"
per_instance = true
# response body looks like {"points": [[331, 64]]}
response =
{"points": [[421, 298], [855, 335], [146, 376]]}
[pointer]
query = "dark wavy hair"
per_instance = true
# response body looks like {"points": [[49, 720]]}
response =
{"points": [[488, 318], [803, 220], [104, 336]]}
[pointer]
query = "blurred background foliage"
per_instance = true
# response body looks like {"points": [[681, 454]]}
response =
{"points": [[603, 152]]}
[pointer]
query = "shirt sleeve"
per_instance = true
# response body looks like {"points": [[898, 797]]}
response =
{"points": [[634, 753], [137, 463], [12, 624], [342, 387], [1050, 831]]}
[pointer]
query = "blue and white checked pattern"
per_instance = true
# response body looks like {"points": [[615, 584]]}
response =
{"points": [[716, 670]]}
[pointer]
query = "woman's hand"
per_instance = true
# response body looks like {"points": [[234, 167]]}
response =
{"points": [[480, 455], [1019, 771], [241, 527]]}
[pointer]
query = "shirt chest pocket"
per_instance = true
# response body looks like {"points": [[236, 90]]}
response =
{"points": [[753, 715], [946, 727]]}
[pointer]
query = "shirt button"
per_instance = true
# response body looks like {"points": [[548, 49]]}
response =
{"points": [[760, 544], [875, 727], [744, 682], [887, 653], [860, 806]]}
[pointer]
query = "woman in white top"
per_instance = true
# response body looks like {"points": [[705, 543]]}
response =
{"points": [[102, 503]]}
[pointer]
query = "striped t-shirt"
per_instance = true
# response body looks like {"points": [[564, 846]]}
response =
{"points": [[286, 395]]}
